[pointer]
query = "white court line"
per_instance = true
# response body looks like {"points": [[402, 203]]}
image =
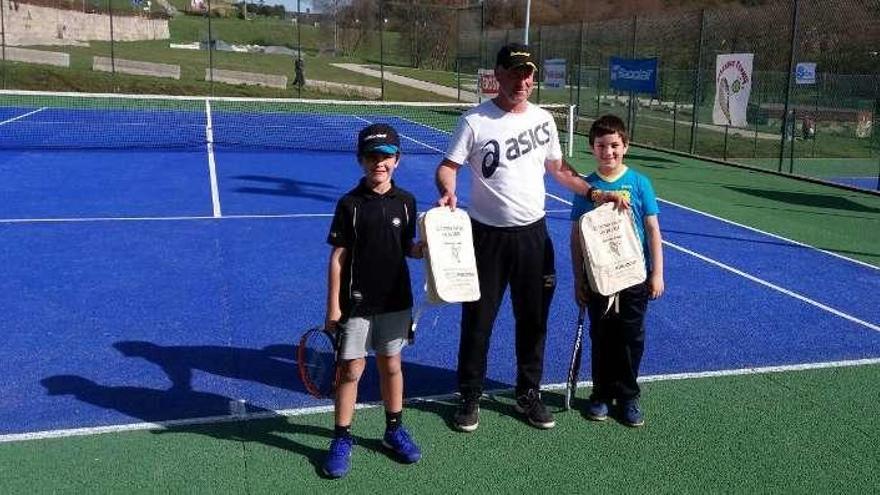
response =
{"points": [[714, 217], [159, 219], [757, 280], [165, 425], [22, 116], [404, 135], [212, 165], [775, 287]]}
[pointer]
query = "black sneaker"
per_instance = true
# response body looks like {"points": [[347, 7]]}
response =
{"points": [[467, 417], [535, 411]]}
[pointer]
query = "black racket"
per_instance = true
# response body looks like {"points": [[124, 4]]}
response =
{"points": [[317, 361], [574, 368]]}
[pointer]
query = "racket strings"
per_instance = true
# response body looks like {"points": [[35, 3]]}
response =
{"points": [[317, 362]]}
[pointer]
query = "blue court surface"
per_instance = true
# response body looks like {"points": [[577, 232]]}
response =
{"points": [[133, 293]]}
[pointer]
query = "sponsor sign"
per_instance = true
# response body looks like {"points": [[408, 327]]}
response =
{"points": [[554, 73], [634, 74], [805, 73], [733, 86], [488, 83]]}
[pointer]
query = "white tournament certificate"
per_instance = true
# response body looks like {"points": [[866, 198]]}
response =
{"points": [[450, 261]]}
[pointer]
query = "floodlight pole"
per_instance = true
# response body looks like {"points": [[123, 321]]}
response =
{"points": [[3, 42], [112, 54], [211, 45], [528, 12]]}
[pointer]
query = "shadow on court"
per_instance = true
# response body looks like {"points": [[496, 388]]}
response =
{"points": [[832, 201], [648, 160], [156, 406], [273, 365], [280, 186]]}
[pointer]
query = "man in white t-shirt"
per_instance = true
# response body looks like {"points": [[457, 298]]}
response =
{"points": [[509, 144]]}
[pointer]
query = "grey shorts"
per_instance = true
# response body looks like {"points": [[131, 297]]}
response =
{"points": [[384, 333]]}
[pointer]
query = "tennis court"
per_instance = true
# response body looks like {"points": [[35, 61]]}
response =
{"points": [[153, 283]]}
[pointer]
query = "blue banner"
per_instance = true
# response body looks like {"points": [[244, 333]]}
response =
{"points": [[634, 74]]}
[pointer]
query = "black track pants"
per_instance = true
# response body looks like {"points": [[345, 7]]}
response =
{"points": [[523, 258]]}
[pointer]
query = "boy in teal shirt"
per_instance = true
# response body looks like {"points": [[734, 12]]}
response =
{"points": [[618, 337]]}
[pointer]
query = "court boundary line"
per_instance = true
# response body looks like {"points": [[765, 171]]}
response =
{"points": [[761, 281], [212, 164], [426, 145], [775, 236], [775, 287], [753, 229], [287, 413], [23, 116], [13, 221]]}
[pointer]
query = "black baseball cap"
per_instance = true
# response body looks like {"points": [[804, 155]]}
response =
{"points": [[379, 138], [514, 55]]}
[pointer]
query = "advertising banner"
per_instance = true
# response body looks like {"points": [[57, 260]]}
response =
{"points": [[733, 86], [488, 83], [634, 74], [554, 73]]}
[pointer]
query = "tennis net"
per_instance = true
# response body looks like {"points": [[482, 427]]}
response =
{"points": [[39, 120]]}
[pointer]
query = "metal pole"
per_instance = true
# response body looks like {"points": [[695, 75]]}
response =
{"points": [[528, 15], [580, 69], [697, 84], [3, 42], [458, 52], [633, 102], [791, 55], [382, 48], [299, 52], [112, 55], [211, 47], [540, 61]]}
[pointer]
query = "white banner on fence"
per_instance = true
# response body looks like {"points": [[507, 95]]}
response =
{"points": [[805, 73], [554, 73], [488, 83], [733, 85]]}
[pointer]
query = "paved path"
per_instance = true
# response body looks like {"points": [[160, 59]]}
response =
{"points": [[413, 83]]}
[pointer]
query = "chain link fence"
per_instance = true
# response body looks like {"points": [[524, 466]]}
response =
{"points": [[408, 50]]}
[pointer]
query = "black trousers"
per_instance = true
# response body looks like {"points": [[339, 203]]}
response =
{"points": [[618, 340], [522, 258]]}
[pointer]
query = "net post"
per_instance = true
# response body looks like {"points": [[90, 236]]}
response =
{"points": [[571, 122]]}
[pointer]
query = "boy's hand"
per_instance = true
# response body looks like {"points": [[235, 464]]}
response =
{"points": [[331, 326], [620, 203], [417, 249], [655, 285], [581, 292]]}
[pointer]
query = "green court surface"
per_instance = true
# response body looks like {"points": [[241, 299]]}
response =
{"points": [[794, 432], [781, 432]]}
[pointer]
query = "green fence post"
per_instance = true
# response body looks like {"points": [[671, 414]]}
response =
{"points": [[791, 55], [382, 48], [3, 41], [112, 56], [697, 83]]}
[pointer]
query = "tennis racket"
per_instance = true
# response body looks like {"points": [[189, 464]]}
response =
{"points": [[317, 358], [574, 367]]}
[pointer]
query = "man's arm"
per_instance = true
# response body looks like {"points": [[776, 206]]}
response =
{"points": [[569, 178], [445, 177]]}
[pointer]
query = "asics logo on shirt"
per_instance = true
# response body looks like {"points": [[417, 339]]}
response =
{"points": [[527, 141], [523, 143]]}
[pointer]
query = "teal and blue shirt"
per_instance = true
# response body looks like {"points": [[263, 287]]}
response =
{"points": [[632, 185]]}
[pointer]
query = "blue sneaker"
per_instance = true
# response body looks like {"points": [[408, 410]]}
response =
{"points": [[403, 446], [631, 415], [338, 461], [597, 410]]}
